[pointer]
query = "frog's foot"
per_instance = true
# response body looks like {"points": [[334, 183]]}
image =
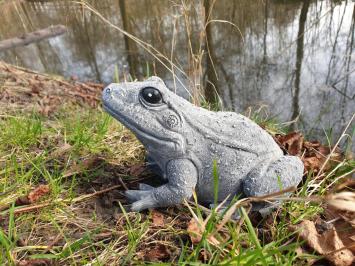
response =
{"points": [[134, 195], [182, 181], [267, 178], [145, 186], [142, 199]]}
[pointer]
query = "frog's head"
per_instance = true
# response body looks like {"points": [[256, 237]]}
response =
{"points": [[151, 111]]}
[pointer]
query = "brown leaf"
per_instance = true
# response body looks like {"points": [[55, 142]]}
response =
{"points": [[137, 169], [194, 231], [204, 255], [312, 163], [23, 200], [60, 151], [157, 253], [81, 167], [346, 233], [328, 243], [344, 224], [35, 262], [33, 196], [343, 201], [311, 144], [158, 218], [38, 192], [291, 142]]}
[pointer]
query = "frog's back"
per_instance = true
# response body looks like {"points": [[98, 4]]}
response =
{"points": [[235, 142], [234, 131]]}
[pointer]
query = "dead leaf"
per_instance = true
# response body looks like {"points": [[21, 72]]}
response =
{"points": [[194, 231], [35, 262], [137, 169], [291, 142], [81, 167], [343, 201], [60, 151], [23, 200], [311, 144], [344, 224], [158, 218], [157, 253], [204, 255], [38, 192], [33, 196], [348, 183], [328, 244], [312, 164]]}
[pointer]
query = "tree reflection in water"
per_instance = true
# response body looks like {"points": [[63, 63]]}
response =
{"points": [[294, 56]]}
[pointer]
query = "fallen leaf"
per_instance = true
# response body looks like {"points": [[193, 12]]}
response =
{"points": [[81, 167], [137, 169], [343, 201], [157, 218], [35, 262], [194, 231], [157, 253], [38, 192], [23, 200], [344, 224], [291, 142], [328, 243], [311, 144], [204, 255], [312, 164], [60, 151], [33, 196]]}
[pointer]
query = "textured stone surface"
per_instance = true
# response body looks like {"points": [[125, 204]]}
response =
{"points": [[183, 141]]}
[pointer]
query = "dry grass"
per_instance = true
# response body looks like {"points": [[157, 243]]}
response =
{"points": [[87, 160]]}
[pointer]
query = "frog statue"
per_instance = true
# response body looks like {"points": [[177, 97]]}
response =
{"points": [[184, 140]]}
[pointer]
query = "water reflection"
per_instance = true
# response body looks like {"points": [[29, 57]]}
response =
{"points": [[294, 56]]}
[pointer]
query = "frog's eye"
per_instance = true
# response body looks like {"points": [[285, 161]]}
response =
{"points": [[151, 95]]}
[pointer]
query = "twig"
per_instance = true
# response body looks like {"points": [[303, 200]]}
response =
{"points": [[272, 195], [32, 37], [122, 183], [97, 193], [77, 199], [32, 208]]}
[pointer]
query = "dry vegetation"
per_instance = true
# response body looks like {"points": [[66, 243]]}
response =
{"points": [[64, 167]]}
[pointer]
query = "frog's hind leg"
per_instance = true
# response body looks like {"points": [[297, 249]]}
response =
{"points": [[270, 177]]}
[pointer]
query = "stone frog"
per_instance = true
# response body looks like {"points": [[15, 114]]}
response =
{"points": [[183, 141]]}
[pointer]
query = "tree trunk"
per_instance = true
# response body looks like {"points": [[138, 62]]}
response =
{"points": [[211, 87], [131, 48], [299, 59]]}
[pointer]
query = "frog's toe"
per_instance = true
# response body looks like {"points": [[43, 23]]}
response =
{"points": [[145, 186], [134, 195], [145, 203]]}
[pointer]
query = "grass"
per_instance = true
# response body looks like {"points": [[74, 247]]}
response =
{"points": [[81, 152], [76, 229]]}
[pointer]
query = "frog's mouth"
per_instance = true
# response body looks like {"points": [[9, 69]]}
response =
{"points": [[145, 136]]}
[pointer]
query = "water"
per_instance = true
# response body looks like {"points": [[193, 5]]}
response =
{"points": [[295, 57]]}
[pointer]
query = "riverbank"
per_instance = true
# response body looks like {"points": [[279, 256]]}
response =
{"points": [[65, 165]]}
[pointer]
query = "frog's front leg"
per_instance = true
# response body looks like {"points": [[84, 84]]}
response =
{"points": [[182, 179]]}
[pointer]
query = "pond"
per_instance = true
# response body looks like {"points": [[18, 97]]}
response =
{"points": [[294, 59]]}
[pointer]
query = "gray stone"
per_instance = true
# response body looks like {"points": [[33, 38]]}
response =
{"points": [[183, 141]]}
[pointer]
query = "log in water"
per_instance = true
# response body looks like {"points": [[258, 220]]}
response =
{"points": [[32, 37]]}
